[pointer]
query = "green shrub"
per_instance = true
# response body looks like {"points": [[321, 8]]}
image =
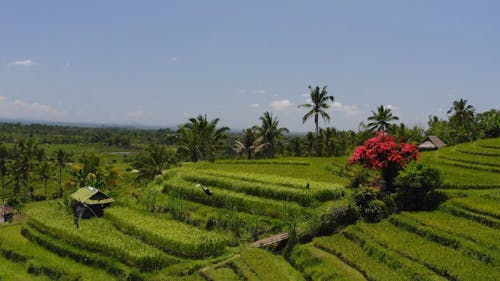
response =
{"points": [[415, 188], [369, 202], [361, 178]]}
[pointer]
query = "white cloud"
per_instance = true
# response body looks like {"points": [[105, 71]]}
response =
{"points": [[306, 95], [173, 58], [390, 106], [21, 109], [255, 105], [348, 109], [280, 105], [23, 63]]}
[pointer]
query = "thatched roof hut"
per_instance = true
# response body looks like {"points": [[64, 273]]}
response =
{"points": [[431, 143], [89, 202]]}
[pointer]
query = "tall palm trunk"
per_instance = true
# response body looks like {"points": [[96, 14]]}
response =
{"points": [[316, 143]]}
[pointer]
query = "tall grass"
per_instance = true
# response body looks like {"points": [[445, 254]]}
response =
{"points": [[98, 235], [174, 237]]}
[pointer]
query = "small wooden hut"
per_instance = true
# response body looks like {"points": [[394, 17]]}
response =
{"points": [[90, 202], [6, 213], [431, 143]]}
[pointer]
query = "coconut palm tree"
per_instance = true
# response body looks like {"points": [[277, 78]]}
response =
{"points": [[45, 173], [270, 131], [201, 138], [461, 112], [462, 121], [380, 120], [319, 104], [153, 162], [4, 154], [250, 143], [62, 158]]}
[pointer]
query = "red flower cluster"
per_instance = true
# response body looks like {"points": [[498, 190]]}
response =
{"points": [[381, 152]]}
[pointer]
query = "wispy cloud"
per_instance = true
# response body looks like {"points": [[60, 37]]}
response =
{"points": [[255, 105], [22, 109], [22, 63], [348, 109], [280, 105]]}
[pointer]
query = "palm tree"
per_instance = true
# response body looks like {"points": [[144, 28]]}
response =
{"points": [[62, 158], [461, 112], [250, 143], [3, 166], [462, 121], [45, 173], [201, 138], [380, 120], [153, 162], [270, 131], [318, 105]]}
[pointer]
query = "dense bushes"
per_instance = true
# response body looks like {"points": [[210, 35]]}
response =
{"points": [[369, 202], [415, 188]]}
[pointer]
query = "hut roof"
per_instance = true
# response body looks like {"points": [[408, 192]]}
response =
{"points": [[91, 196], [431, 143], [427, 145], [436, 141]]}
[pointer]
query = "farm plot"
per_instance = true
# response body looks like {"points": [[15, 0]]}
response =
{"points": [[253, 265], [40, 261], [302, 193], [223, 198], [173, 237], [98, 235], [446, 261]]}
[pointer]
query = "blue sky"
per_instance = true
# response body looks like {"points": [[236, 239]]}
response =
{"points": [[161, 62]]}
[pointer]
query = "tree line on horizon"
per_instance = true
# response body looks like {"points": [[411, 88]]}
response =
{"points": [[24, 162]]}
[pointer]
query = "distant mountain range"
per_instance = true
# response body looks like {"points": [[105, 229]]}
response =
{"points": [[84, 125]]}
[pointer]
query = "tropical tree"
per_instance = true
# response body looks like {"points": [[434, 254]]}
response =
{"points": [[45, 173], [250, 143], [62, 157], [4, 154], [462, 121], [270, 131], [153, 162], [319, 104], [461, 112], [381, 120], [200, 138]]}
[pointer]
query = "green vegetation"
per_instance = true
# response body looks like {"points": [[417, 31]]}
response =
{"points": [[42, 262], [165, 227], [174, 237], [97, 235]]}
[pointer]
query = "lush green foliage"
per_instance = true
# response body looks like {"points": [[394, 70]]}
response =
{"points": [[415, 187]]}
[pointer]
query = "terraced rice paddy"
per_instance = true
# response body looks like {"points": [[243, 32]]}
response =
{"points": [[255, 199], [459, 241]]}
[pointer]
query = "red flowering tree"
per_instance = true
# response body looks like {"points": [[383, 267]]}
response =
{"points": [[382, 153]]}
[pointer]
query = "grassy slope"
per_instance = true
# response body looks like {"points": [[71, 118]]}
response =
{"points": [[459, 241], [373, 252]]}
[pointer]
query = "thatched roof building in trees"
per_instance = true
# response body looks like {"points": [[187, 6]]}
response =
{"points": [[90, 202], [431, 143]]}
